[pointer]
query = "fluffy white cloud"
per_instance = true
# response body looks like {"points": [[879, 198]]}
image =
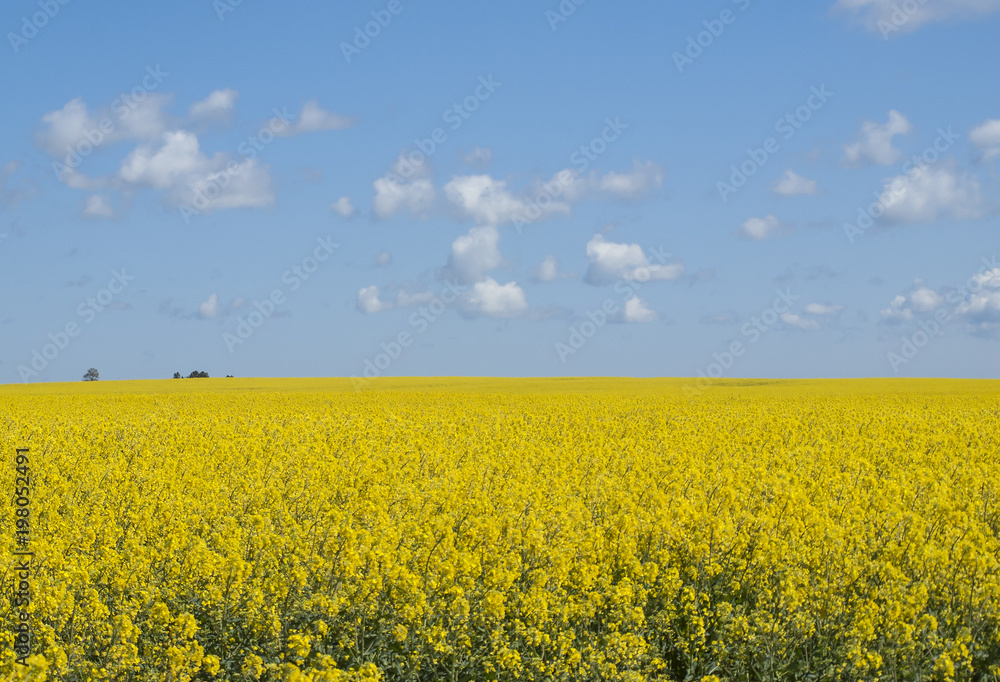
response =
{"points": [[976, 303], [407, 188], [343, 207], [610, 261], [762, 228], [167, 158], [74, 130], [475, 253], [569, 187], [193, 179], [209, 308], [792, 184], [313, 119], [368, 301], [491, 299], [889, 16], [179, 156], [415, 197], [874, 144], [633, 184], [924, 300], [489, 201], [547, 271], [218, 106], [823, 309], [799, 321], [98, 206], [986, 136], [636, 310], [484, 199], [981, 306], [245, 185], [925, 193], [898, 311], [903, 308]]}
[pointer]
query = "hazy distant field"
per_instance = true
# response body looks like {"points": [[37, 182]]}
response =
{"points": [[474, 529]]}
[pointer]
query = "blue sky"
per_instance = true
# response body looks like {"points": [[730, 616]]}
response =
{"points": [[730, 189]]}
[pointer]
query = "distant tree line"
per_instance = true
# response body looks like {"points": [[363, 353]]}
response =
{"points": [[197, 375]]}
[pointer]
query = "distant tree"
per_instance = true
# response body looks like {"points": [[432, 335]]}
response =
{"points": [[230, 376], [198, 375], [91, 375], [177, 375]]}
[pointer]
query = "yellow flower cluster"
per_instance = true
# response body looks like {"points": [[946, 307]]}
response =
{"points": [[507, 530]]}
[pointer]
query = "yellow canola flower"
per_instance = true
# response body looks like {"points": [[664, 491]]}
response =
{"points": [[488, 529]]}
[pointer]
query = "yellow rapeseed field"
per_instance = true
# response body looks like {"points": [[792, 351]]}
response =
{"points": [[460, 529]]}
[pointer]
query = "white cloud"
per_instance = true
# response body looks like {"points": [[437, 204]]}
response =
{"points": [[888, 16], [474, 254], [383, 259], [218, 106], [636, 310], [98, 206], [792, 184], [976, 303], [484, 199], [924, 194], [249, 186], [874, 144], [415, 197], [210, 308], [897, 311], [479, 156], [547, 271], [408, 188], [986, 136], [610, 261], [178, 157], [191, 178], [313, 119], [981, 308], [146, 121], [800, 322], [762, 228], [635, 183], [924, 300], [920, 300], [66, 127], [823, 309], [492, 299], [571, 187], [368, 301], [74, 130], [343, 207]]}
